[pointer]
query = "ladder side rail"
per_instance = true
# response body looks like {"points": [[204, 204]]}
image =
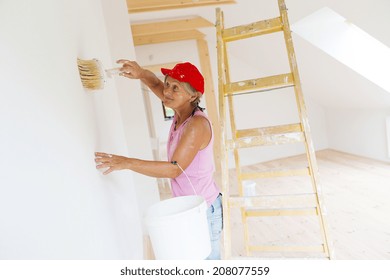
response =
{"points": [[264, 136], [227, 251], [304, 119], [235, 149]]}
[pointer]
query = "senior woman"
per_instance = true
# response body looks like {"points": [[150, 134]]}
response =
{"points": [[190, 164]]}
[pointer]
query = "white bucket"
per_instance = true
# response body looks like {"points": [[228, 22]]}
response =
{"points": [[178, 228]]}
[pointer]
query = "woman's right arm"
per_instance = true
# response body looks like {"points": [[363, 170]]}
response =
{"points": [[132, 70]]}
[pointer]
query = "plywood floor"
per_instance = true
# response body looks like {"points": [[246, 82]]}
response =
{"points": [[356, 193]]}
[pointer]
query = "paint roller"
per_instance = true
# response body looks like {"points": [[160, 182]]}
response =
{"points": [[92, 74]]}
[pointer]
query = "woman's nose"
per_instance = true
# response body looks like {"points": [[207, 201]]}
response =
{"points": [[167, 92]]}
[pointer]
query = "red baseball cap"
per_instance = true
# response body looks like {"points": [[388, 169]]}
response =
{"points": [[186, 72]]}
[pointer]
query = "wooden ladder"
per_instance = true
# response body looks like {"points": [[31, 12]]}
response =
{"points": [[272, 206]]}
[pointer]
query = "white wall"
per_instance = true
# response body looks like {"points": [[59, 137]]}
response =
{"points": [[54, 204], [359, 131], [355, 108]]}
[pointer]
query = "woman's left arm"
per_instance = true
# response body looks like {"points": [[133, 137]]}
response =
{"points": [[158, 169], [195, 137]]}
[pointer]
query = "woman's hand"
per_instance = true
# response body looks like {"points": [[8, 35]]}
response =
{"points": [[130, 69], [111, 162]]}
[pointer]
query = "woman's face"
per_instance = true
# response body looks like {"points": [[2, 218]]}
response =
{"points": [[175, 94]]}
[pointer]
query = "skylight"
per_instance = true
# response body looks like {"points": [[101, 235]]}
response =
{"points": [[348, 44]]}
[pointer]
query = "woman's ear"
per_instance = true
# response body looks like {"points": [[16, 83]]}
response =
{"points": [[198, 95], [192, 99]]}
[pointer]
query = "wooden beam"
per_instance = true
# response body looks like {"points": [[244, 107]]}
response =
{"points": [[138, 6], [211, 102], [169, 26], [167, 37], [155, 68], [148, 249]]}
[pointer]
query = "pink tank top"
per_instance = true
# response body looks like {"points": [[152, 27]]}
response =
{"points": [[200, 171]]}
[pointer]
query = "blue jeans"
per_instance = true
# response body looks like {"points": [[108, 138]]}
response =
{"points": [[214, 218]]}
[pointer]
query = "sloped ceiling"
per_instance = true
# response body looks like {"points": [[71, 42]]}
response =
{"points": [[324, 79]]}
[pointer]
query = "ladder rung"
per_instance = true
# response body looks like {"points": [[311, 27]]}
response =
{"points": [[266, 140], [274, 201], [276, 173], [281, 212], [272, 135], [253, 29], [277, 129], [260, 84], [274, 248]]}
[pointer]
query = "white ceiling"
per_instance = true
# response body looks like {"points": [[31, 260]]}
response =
{"points": [[324, 79]]}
